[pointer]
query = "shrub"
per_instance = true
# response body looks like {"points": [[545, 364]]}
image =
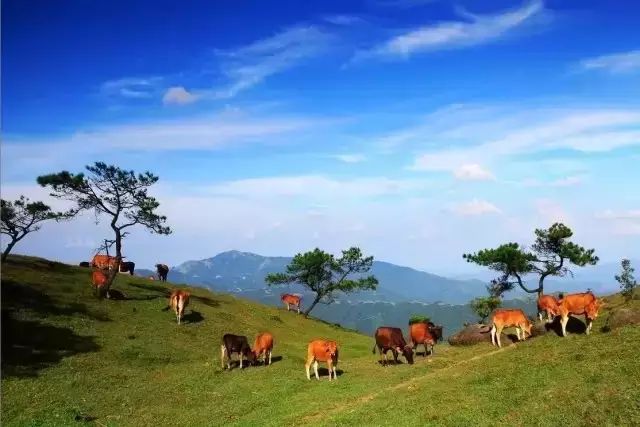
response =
{"points": [[418, 318]]}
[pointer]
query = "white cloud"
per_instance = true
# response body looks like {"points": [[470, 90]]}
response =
{"points": [[351, 158], [623, 223], [568, 181], [550, 211], [132, 87], [616, 63], [455, 34], [249, 65], [476, 207], [473, 172], [178, 95], [632, 214], [343, 20]]}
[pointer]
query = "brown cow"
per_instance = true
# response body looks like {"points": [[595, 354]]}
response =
{"points": [[127, 267], [104, 262], [585, 303], [178, 300], [504, 318], [263, 347], [388, 338], [290, 299], [420, 334], [162, 270], [235, 344], [98, 280], [322, 351], [547, 304]]}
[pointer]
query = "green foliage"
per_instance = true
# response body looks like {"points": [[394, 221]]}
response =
{"points": [[626, 279], [323, 274], [419, 318], [120, 195], [551, 255], [21, 217], [483, 306]]}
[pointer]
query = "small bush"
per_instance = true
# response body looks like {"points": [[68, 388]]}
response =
{"points": [[418, 318]]}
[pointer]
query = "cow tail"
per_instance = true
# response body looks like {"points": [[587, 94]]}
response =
{"points": [[373, 350]]}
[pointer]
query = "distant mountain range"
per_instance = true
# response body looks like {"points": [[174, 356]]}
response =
{"points": [[402, 291]]}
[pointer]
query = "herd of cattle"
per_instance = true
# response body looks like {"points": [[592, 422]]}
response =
{"points": [[386, 338]]}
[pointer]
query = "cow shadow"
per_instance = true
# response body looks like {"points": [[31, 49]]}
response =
{"points": [[193, 317], [574, 326], [210, 302], [29, 346], [159, 291], [274, 359]]}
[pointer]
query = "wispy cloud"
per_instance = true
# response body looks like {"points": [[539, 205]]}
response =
{"points": [[178, 95], [343, 20], [250, 65], [475, 207], [617, 63], [624, 222], [473, 172], [132, 87], [479, 29], [403, 4], [568, 181], [588, 131], [350, 158]]}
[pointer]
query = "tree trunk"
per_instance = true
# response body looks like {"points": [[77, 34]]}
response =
{"points": [[114, 273], [8, 249], [313, 304]]}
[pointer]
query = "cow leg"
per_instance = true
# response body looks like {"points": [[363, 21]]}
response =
{"points": [[588, 322], [315, 369], [222, 354], [565, 320], [307, 367], [540, 315], [270, 357], [298, 308], [493, 335], [518, 333], [384, 363], [288, 309], [498, 333], [330, 367], [241, 358]]}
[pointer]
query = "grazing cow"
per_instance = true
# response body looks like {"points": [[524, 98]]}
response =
{"points": [[290, 299], [235, 344], [420, 334], [547, 304], [504, 318], [388, 338], [585, 303], [263, 347], [85, 264], [178, 301], [127, 266], [104, 262], [162, 270], [322, 351]]}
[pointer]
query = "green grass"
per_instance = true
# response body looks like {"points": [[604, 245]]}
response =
{"points": [[67, 354]]}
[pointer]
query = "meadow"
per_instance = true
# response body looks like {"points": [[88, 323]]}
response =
{"points": [[70, 358]]}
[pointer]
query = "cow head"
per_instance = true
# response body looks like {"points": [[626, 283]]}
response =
{"points": [[331, 348], [407, 352], [592, 309], [527, 327]]}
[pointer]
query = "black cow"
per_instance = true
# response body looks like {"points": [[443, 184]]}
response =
{"points": [[162, 270], [436, 330], [127, 266], [235, 344], [85, 264], [388, 338]]}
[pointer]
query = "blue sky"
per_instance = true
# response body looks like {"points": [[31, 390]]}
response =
{"points": [[415, 129]]}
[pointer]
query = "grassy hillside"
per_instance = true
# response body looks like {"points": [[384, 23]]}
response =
{"points": [[68, 356]]}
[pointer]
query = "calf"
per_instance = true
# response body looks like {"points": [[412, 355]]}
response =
{"points": [[547, 304], [322, 351], [420, 334], [235, 344], [504, 318], [290, 299], [162, 270], [585, 303], [98, 280], [388, 338], [178, 301], [263, 347]]}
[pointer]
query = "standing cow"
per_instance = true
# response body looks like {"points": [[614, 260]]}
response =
{"points": [[585, 303], [420, 334], [548, 305], [504, 318], [127, 267], [388, 338], [178, 301], [322, 351], [162, 270], [98, 281], [104, 262], [291, 300]]}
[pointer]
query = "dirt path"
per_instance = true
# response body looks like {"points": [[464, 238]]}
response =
{"points": [[315, 417]]}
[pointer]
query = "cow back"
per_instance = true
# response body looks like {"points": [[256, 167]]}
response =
{"points": [[509, 317], [264, 341], [577, 303], [419, 333], [321, 350], [389, 337]]}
